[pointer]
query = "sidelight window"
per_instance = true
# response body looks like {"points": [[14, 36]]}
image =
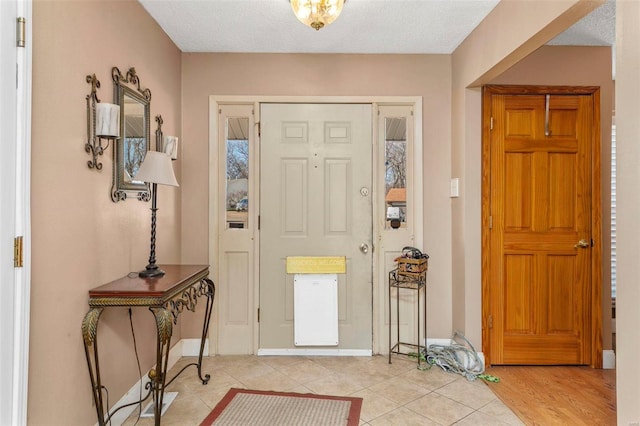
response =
{"points": [[395, 172], [237, 194]]}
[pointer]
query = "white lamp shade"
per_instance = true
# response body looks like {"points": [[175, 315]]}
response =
{"points": [[157, 168], [107, 120], [170, 146]]}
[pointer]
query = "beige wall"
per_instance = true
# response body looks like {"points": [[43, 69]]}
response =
{"points": [[80, 238], [428, 76], [628, 210]]}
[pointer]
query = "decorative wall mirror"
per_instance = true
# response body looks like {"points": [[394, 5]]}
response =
{"points": [[134, 140]]}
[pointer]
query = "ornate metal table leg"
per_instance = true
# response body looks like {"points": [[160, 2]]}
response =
{"points": [[90, 337], [210, 294], [158, 376], [188, 300]]}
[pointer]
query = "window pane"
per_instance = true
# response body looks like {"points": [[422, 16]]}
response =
{"points": [[237, 173], [396, 172]]}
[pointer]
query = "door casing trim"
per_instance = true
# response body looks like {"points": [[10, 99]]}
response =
{"points": [[377, 288], [596, 208], [16, 168]]}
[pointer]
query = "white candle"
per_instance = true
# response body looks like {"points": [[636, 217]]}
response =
{"points": [[170, 146], [107, 120]]}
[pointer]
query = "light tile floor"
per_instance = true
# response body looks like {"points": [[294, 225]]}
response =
{"points": [[393, 394]]}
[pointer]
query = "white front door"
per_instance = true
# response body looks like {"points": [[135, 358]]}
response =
{"points": [[315, 192]]}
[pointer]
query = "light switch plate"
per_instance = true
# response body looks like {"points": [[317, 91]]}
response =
{"points": [[454, 188]]}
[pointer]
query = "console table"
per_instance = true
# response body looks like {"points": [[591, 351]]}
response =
{"points": [[166, 297]]}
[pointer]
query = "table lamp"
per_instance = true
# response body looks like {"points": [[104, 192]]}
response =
{"points": [[155, 169]]}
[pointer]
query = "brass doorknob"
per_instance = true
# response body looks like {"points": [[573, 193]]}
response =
{"points": [[582, 244]]}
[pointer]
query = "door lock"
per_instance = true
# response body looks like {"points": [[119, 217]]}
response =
{"points": [[364, 248]]}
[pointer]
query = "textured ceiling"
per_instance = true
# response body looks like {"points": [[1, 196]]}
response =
{"points": [[365, 26], [596, 29]]}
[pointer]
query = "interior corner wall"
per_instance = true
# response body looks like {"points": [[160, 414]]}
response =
{"points": [[580, 66], [428, 76], [80, 238], [628, 211], [509, 33]]}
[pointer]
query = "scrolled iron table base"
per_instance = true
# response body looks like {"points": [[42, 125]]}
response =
{"points": [[166, 297]]}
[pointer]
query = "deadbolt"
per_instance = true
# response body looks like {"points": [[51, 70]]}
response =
{"points": [[364, 248]]}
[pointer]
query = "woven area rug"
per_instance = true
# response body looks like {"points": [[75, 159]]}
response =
{"points": [[241, 407]]}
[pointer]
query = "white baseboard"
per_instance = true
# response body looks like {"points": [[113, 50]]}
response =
{"points": [[315, 352], [185, 347], [447, 342], [608, 359], [608, 356], [191, 347], [442, 342]]}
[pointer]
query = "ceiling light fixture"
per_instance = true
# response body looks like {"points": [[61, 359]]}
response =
{"points": [[317, 13]]}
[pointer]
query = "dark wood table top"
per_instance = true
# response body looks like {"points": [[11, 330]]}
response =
{"points": [[175, 280]]}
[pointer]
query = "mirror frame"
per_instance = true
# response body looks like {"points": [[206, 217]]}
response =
{"points": [[129, 85]]}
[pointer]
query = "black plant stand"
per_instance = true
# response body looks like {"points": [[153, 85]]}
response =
{"points": [[415, 282]]}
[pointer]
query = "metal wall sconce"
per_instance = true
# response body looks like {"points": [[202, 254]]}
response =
{"points": [[103, 123], [166, 144]]}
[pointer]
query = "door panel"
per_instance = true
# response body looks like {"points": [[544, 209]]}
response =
{"points": [[315, 160], [540, 207]]}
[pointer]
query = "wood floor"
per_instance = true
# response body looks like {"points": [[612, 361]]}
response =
{"points": [[557, 395]]}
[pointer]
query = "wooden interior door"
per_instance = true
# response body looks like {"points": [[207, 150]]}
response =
{"points": [[540, 236]]}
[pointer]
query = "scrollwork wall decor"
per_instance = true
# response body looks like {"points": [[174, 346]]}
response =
{"points": [[131, 77]]}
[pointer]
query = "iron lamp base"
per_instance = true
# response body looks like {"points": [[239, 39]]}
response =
{"points": [[151, 271]]}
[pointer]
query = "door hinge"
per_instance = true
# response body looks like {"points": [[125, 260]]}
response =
{"points": [[490, 321], [491, 123], [490, 222], [259, 129], [20, 31], [258, 222], [17, 252], [258, 314]]}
